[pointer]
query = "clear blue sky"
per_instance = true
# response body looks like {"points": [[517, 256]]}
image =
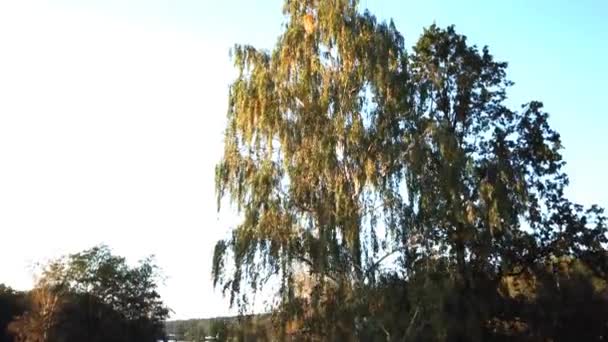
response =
{"points": [[111, 115]]}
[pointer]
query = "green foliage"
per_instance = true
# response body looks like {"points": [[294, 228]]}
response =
{"points": [[93, 296], [306, 134], [131, 291], [364, 173]]}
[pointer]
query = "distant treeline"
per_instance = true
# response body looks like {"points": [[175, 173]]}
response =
{"points": [[246, 327]]}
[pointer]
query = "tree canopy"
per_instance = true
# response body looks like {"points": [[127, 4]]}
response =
{"points": [[376, 172], [93, 296]]}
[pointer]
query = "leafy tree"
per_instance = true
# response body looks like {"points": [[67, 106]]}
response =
{"points": [[132, 291], [484, 182], [378, 174], [39, 321], [310, 153], [94, 296]]}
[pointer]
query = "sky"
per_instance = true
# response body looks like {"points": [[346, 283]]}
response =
{"points": [[112, 112]]}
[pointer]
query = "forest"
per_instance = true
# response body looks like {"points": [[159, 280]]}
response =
{"points": [[384, 193]]}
